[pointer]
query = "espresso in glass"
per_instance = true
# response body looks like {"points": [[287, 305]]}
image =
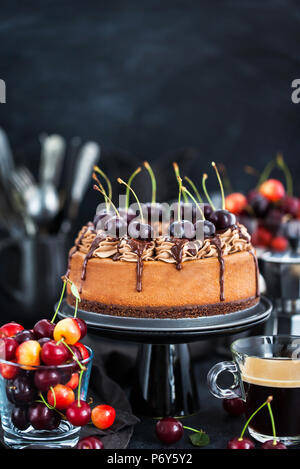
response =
{"points": [[279, 378]]}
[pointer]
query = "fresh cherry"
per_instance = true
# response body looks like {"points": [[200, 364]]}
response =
{"points": [[11, 346], [19, 418], [261, 237], [234, 406], [24, 335], [127, 214], [43, 341], [21, 390], [67, 329], [205, 228], [45, 378], [53, 353], [182, 229], [116, 227], [82, 326], [8, 371], [169, 430], [10, 329], [222, 219], [273, 221], [290, 205], [103, 416], [279, 244], [79, 415], [43, 418], [258, 203], [235, 203], [240, 443], [44, 328], [139, 230], [74, 381], [84, 353], [272, 189], [60, 396], [90, 442], [75, 357], [100, 216], [270, 445], [28, 353]]}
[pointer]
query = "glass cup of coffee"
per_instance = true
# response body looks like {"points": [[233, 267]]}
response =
{"points": [[265, 366]]}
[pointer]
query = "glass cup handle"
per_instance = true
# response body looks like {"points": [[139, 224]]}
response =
{"points": [[212, 379]]}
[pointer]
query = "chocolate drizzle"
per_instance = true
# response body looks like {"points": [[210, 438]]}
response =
{"points": [[138, 247], [256, 273], [94, 246], [75, 248], [177, 251], [217, 242]]}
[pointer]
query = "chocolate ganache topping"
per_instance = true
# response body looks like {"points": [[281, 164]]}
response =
{"points": [[165, 249]]}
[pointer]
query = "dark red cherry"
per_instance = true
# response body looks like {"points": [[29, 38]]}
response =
{"points": [[43, 418], [187, 211], [21, 390], [138, 230], [273, 221], [90, 442], [100, 216], [258, 203], [45, 378], [25, 335], [234, 406], [169, 430], [82, 326], [290, 205], [11, 346], [222, 219], [270, 445], [19, 418], [44, 328], [127, 214], [207, 210], [182, 229], [79, 415], [205, 228], [237, 443], [53, 353], [116, 227], [43, 341]]}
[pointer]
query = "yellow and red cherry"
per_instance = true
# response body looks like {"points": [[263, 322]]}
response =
{"points": [[53, 353], [10, 347], [83, 350], [44, 328], [235, 202], [169, 430], [24, 335], [271, 444], [74, 381], [79, 413], [103, 416], [82, 326], [28, 353], [67, 329], [272, 189], [90, 442], [45, 378], [8, 371], [240, 443], [10, 329], [60, 396]]}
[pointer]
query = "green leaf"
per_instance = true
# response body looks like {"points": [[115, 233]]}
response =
{"points": [[75, 291], [199, 438]]}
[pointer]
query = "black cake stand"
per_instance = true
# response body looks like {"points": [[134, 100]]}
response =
{"points": [[165, 382]]}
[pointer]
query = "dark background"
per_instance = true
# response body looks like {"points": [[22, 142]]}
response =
{"points": [[160, 80]]}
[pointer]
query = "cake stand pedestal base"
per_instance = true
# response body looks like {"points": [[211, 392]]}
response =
{"points": [[164, 383]]}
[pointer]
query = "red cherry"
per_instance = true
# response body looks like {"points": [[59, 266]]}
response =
{"points": [[8, 371], [44, 328], [73, 383], [290, 205], [79, 415], [272, 189], [54, 354], [90, 442], [234, 407], [83, 350], [236, 203], [279, 244], [11, 346], [10, 329], [45, 378], [82, 326], [103, 416], [64, 396], [270, 445], [237, 443], [169, 430], [261, 237]]}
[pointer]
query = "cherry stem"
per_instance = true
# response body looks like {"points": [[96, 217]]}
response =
{"points": [[76, 307], [129, 182], [120, 181], [60, 300], [54, 396], [205, 191], [192, 429], [195, 201], [70, 350], [103, 191], [98, 170], [153, 181], [288, 177], [100, 188], [273, 423], [266, 173], [43, 400], [194, 189], [225, 178], [220, 183], [254, 413], [79, 387], [177, 174]]}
